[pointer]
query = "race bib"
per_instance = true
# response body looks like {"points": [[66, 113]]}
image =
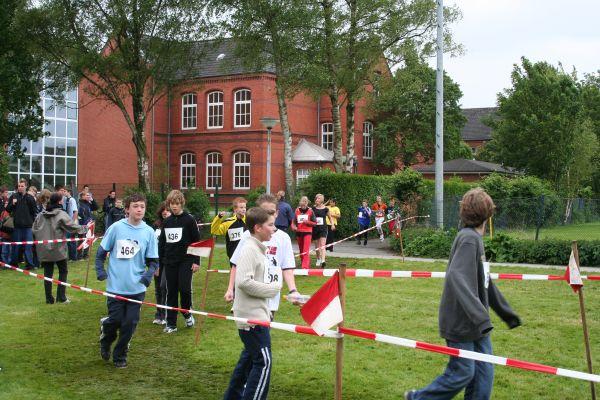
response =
{"points": [[319, 221], [302, 218], [360, 214], [235, 234], [272, 271], [173, 235], [486, 273], [127, 248]]}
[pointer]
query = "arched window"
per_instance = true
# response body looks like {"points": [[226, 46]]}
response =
{"points": [[215, 110], [241, 170], [214, 170], [187, 171], [327, 136], [367, 140], [243, 104], [189, 111]]}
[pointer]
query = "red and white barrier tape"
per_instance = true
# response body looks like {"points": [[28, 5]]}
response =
{"points": [[50, 241], [378, 337], [361, 232], [369, 273]]}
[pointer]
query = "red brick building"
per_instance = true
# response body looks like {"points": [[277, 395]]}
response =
{"points": [[209, 134]]}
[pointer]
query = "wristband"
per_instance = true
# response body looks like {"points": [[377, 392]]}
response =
{"points": [[292, 291]]}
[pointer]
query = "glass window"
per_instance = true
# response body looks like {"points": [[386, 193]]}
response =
{"points": [[36, 165], [72, 129], [188, 171], [242, 108], [214, 170], [71, 166], [301, 175], [72, 95], [61, 147], [215, 110], [48, 165], [327, 136], [61, 111], [49, 110], [61, 128], [24, 165], [241, 170], [14, 165], [72, 111], [367, 140], [72, 148], [37, 147], [50, 128], [189, 111], [49, 144], [60, 165]]}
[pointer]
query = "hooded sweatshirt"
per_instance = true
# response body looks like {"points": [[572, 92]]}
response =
{"points": [[51, 225]]}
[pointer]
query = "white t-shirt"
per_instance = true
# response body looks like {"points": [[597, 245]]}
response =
{"points": [[280, 255]]}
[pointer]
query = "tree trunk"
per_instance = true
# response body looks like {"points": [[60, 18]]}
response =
{"points": [[139, 138], [350, 107], [351, 86], [287, 139], [337, 129]]}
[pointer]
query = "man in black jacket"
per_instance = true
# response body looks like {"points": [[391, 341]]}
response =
{"points": [[22, 207], [109, 203]]}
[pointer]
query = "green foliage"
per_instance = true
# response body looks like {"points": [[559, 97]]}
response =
{"points": [[253, 195], [196, 202], [153, 201], [427, 243], [407, 184]]}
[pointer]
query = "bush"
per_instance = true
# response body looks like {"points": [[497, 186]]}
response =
{"points": [[422, 242], [196, 202], [153, 201], [253, 195]]}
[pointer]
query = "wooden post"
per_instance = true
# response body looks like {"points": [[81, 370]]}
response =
{"points": [[87, 271], [203, 301], [586, 336], [339, 349], [491, 229], [401, 244]]}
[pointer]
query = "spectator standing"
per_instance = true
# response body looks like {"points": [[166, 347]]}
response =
{"points": [[319, 233], [70, 207], [50, 224], [23, 209], [86, 189], [108, 203], [5, 232], [86, 207], [379, 208], [364, 220], [285, 214], [303, 223], [160, 282], [115, 214], [332, 221]]}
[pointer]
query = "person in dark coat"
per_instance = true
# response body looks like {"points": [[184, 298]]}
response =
{"points": [[22, 206]]}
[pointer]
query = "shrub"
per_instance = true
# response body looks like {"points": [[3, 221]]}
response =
{"points": [[253, 195], [196, 201], [153, 201]]}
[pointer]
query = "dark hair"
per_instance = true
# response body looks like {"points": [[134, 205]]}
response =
{"points": [[54, 201], [476, 207], [132, 198], [58, 187], [159, 218], [256, 216]]}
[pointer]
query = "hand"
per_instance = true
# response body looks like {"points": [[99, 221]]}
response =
{"points": [[145, 280], [221, 213], [229, 295], [195, 268], [14, 201], [157, 272], [102, 275]]}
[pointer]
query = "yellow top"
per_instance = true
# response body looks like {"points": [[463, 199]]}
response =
{"points": [[334, 215]]}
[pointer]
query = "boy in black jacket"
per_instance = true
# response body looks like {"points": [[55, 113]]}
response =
{"points": [[178, 232], [464, 317]]}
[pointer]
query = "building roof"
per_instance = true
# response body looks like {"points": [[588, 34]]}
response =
{"points": [[463, 166], [218, 58], [306, 151], [474, 128]]}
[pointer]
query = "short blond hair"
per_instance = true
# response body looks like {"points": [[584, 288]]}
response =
{"points": [[175, 196], [238, 200]]}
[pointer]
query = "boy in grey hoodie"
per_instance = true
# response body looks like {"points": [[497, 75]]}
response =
{"points": [[464, 319]]}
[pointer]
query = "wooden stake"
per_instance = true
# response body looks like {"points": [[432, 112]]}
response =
{"points": [[401, 244], [87, 271], [339, 349], [203, 301], [586, 336]]}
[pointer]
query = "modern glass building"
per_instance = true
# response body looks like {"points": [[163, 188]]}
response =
{"points": [[51, 160]]}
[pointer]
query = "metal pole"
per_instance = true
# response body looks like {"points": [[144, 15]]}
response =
{"points": [[439, 118], [268, 160]]}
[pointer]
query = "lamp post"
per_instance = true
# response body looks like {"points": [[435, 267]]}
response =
{"points": [[269, 123]]}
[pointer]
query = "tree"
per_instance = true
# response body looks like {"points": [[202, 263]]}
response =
{"points": [[405, 115], [539, 118], [266, 33], [128, 52], [21, 81]]}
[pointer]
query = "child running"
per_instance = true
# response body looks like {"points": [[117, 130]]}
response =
{"points": [[178, 232], [132, 245], [379, 208], [252, 374], [303, 223], [464, 317], [364, 220]]}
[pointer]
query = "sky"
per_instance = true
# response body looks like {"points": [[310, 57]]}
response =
{"points": [[497, 33]]}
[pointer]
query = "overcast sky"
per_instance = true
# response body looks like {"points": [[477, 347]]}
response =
{"points": [[496, 33]]}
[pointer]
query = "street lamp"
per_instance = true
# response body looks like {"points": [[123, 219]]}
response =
{"points": [[269, 123]]}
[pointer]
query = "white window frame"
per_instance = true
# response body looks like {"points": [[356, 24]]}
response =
{"points": [[327, 133], [242, 108], [187, 170], [301, 175], [239, 165], [189, 111], [212, 166], [214, 109], [367, 140]]}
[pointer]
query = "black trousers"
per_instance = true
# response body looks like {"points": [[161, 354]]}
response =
{"points": [[160, 289], [179, 287], [62, 276], [330, 237], [123, 317]]}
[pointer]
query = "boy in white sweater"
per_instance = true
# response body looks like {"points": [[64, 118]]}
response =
{"points": [[253, 288]]}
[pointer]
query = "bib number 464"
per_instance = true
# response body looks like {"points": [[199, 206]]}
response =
{"points": [[127, 251]]}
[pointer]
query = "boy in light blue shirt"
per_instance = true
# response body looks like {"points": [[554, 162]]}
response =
{"points": [[132, 246]]}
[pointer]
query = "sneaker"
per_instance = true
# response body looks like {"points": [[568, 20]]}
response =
{"points": [[190, 321], [170, 329], [158, 321], [104, 351], [408, 394], [120, 364], [318, 262], [381, 238], [323, 265], [365, 242], [67, 301]]}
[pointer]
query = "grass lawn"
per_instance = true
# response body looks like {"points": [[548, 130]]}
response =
{"points": [[51, 351], [589, 231]]}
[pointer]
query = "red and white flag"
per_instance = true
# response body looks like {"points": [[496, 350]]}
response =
{"points": [[90, 237], [572, 274], [324, 309], [202, 248]]}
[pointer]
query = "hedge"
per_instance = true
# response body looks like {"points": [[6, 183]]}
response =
{"points": [[431, 243]]}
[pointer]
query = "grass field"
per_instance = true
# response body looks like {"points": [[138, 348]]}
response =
{"points": [[589, 231], [51, 351]]}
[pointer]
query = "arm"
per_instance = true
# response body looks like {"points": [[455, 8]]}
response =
{"points": [[229, 293], [10, 205], [194, 237], [152, 264], [69, 225], [100, 257], [93, 205], [244, 278], [499, 304], [219, 225]]}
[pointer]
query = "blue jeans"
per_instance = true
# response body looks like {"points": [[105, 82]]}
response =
{"points": [[476, 377], [22, 235], [72, 246], [123, 317], [5, 252], [252, 374]]}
